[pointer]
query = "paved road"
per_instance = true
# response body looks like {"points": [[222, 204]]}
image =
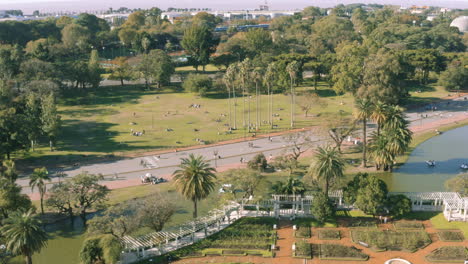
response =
{"points": [[165, 164]]}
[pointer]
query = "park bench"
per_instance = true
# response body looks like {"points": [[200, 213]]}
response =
{"points": [[363, 244]]}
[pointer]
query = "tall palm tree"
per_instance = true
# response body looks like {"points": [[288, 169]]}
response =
{"points": [[328, 166], [290, 186], [38, 179], [379, 114], [269, 78], [195, 179], [363, 112], [292, 69], [244, 71], [378, 148], [229, 78], [23, 234], [257, 77]]}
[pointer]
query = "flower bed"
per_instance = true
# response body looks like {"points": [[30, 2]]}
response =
{"points": [[408, 225], [329, 234], [456, 254], [360, 222], [303, 250], [340, 252], [392, 240], [302, 232], [450, 236]]}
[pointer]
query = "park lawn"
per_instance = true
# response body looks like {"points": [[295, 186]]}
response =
{"points": [[208, 68], [439, 222], [424, 94], [99, 122]]}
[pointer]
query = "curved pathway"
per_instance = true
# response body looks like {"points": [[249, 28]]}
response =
{"points": [[127, 172]]}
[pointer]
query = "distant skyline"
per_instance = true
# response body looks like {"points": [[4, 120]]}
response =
{"points": [[28, 6]]}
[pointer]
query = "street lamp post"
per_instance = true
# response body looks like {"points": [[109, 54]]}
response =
{"points": [[215, 154]]}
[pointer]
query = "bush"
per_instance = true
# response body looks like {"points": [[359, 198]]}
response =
{"points": [[258, 162], [335, 251], [198, 83], [329, 234], [450, 236], [448, 254]]}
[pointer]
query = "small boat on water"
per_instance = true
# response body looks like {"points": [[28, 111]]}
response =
{"points": [[430, 163], [464, 166]]}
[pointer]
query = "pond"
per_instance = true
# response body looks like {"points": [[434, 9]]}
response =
{"points": [[449, 150]]}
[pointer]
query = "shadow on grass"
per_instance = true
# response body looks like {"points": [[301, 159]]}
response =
{"points": [[421, 216]]}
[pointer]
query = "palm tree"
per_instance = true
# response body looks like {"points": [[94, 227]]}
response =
{"points": [[229, 78], [195, 179], [269, 78], [379, 114], [378, 148], [290, 186], [363, 112], [244, 71], [328, 166], [23, 234], [257, 77], [38, 179], [292, 69]]}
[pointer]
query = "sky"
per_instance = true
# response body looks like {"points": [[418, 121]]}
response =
{"points": [[28, 6]]}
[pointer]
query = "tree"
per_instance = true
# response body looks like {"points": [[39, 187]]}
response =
{"points": [[38, 179], [328, 167], [76, 36], [321, 207], [156, 66], [127, 36], [121, 71], [50, 118], [308, 101], [292, 69], [198, 83], [423, 61], [206, 19], [371, 196], [194, 180], [291, 186], [245, 68], [94, 70], [332, 30], [8, 171], [87, 192], [339, 129], [24, 235], [379, 114], [258, 41], [398, 205], [155, 211], [229, 79], [454, 78], [363, 112], [91, 252], [11, 198], [33, 118], [258, 162], [269, 79], [62, 199], [198, 42], [458, 184], [347, 71], [245, 180], [299, 143], [101, 249], [285, 162]]}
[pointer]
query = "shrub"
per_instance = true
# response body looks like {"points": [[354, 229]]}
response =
{"points": [[450, 236], [392, 240], [448, 254], [339, 251], [198, 83], [329, 234], [258, 162]]}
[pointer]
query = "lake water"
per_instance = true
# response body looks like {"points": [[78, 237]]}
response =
{"points": [[449, 150]]}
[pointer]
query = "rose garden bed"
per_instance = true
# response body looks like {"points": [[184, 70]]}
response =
{"points": [[455, 254], [340, 252], [329, 234], [303, 231], [379, 240], [303, 250], [408, 225], [450, 236]]}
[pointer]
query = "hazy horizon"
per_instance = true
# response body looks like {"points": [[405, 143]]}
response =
{"points": [[28, 6]]}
